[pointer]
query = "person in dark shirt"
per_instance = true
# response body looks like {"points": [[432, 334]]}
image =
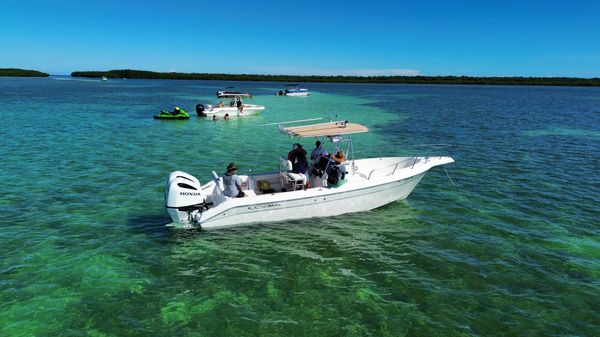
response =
{"points": [[318, 152], [240, 106], [298, 158]]}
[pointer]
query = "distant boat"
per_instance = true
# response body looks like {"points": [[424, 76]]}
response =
{"points": [[235, 108], [293, 90], [230, 92], [104, 78]]}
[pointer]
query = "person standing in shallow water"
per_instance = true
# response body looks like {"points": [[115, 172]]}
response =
{"points": [[232, 184]]}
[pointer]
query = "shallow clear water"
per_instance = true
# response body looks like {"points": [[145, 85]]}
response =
{"points": [[512, 250]]}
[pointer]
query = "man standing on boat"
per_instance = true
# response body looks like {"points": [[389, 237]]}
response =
{"points": [[298, 158], [232, 183], [318, 152], [240, 105]]}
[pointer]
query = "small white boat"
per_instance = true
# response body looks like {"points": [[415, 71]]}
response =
{"points": [[104, 78], [283, 195], [293, 90], [235, 108], [229, 92]]}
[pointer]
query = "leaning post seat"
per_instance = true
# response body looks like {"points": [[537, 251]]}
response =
{"points": [[294, 181], [290, 181]]}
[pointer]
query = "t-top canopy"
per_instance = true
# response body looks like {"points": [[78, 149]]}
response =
{"points": [[324, 129]]}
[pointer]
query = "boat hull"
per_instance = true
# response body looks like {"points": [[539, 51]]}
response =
{"points": [[249, 110], [324, 202], [298, 94]]}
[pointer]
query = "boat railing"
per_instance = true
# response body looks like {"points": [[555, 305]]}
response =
{"points": [[414, 160], [394, 165]]}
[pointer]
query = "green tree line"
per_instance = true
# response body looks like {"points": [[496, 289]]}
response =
{"points": [[14, 72], [142, 74]]}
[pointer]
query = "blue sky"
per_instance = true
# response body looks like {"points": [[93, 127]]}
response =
{"points": [[473, 38]]}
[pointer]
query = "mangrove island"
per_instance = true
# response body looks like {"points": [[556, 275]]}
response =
{"points": [[499, 80], [14, 72]]}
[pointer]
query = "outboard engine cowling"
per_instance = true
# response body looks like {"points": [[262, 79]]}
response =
{"points": [[183, 195], [200, 109]]}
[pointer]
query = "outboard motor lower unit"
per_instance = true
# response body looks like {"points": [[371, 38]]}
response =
{"points": [[183, 196]]}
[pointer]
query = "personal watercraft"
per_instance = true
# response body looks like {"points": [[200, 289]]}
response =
{"points": [[178, 114]]}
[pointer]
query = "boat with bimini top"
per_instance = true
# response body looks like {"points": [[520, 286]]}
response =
{"points": [[334, 184], [293, 90]]}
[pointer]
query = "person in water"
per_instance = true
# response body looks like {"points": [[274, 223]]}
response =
{"points": [[232, 183], [298, 158], [226, 117]]}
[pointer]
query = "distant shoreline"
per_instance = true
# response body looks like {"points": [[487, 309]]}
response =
{"points": [[142, 74], [15, 72], [465, 80]]}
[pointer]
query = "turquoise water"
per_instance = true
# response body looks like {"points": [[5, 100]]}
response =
{"points": [[512, 250]]}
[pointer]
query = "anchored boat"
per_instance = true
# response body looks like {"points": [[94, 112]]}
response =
{"points": [[330, 188], [228, 92], [293, 90], [235, 108]]}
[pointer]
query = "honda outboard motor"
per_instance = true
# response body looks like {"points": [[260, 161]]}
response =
{"points": [[183, 196], [200, 109]]}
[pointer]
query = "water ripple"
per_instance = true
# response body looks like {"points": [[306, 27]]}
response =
{"points": [[510, 250]]}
